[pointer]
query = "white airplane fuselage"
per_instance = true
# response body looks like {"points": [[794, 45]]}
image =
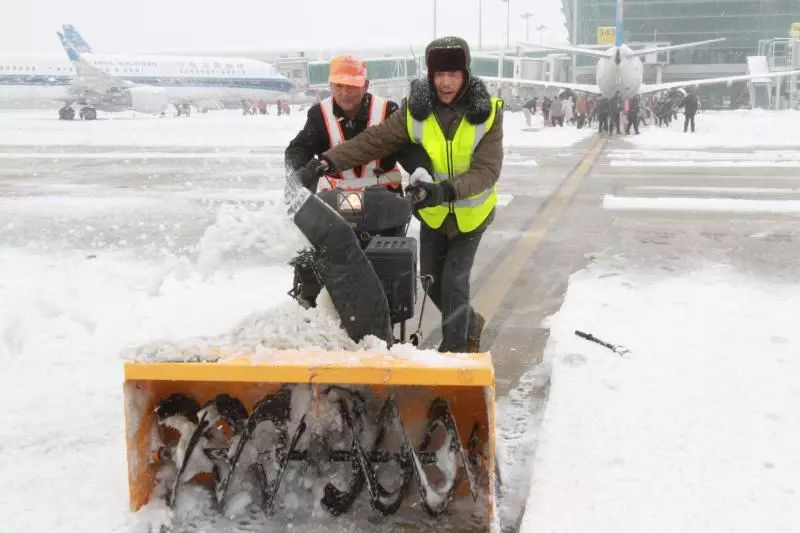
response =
{"points": [[183, 79], [620, 72]]}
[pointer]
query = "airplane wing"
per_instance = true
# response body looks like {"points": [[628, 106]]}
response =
{"points": [[647, 89], [648, 51], [88, 77], [580, 87], [571, 50]]}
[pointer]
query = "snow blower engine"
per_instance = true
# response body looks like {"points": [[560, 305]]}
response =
{"points": [[379, 219], [311, 438]]}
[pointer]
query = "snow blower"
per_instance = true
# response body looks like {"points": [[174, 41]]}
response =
{"points": [[388, 435]]}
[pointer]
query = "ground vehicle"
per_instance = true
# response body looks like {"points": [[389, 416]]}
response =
{"points": [[254, 432]]}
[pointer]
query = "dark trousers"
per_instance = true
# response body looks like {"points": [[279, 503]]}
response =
{"points": [[559, 121], [603, 121], [449, 262], [633, 120], [614, 124], [689, 118]]}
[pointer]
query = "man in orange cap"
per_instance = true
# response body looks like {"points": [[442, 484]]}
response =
{"points": [[347, 112]]}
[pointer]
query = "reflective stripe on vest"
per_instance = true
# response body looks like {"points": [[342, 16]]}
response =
{"points": [[348, 179], [450, 159]]}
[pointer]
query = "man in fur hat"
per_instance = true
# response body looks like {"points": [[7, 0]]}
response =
{"points": [[459, 125]]}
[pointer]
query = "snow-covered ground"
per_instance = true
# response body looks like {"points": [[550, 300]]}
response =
{"points": [[218, 129], [696, 430], [518, 134], [730, 130], [692, 432]]}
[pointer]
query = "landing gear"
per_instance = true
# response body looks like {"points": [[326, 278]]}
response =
{"points": [[88, 113], [66, 113], [183, 110]]}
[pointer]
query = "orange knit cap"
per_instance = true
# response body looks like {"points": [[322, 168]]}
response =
{"points": [[348, 70]]}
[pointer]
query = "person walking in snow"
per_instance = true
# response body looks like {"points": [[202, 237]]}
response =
{"points": [[602, 108], [633, 115], [614, 110], [569, 110], [690, 105], [581, 110], [459, 125], [529, 109], [557, 112], [546, 104]]}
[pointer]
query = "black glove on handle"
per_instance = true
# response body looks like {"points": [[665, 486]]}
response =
{"points": [[426, 194], [310, 174]]}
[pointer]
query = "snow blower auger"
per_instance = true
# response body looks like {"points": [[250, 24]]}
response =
{"points": [[361, 435]]}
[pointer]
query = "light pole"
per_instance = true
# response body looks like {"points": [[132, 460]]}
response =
{"points": [[434, 19], [540, 28], [480, 24], [575, 38], [527, 16], [508, 23]]}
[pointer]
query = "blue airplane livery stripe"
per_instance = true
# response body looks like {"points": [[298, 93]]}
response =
{"points": [[235, 83]]}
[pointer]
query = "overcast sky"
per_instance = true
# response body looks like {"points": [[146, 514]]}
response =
{"points": [[29, 26]]}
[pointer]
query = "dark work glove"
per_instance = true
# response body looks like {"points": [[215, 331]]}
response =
{"points": [[425, 194], [310, 174]]}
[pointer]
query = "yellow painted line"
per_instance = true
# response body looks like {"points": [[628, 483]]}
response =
{"points": [[494, 291]]}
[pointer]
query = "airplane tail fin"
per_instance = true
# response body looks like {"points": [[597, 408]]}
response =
{"points": [[72, 54], [620, 25], [76, 40]]}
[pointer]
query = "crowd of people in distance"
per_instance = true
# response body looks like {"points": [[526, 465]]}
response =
{"points": [[260, 107], [615, 114]]}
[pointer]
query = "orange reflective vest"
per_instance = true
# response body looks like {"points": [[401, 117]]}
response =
{"points": [[348, 179]]}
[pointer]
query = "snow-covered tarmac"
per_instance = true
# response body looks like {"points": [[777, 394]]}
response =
{"points": [[128, 231]]}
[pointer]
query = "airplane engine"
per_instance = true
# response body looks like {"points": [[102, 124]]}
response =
{"points": [[147, 99]]}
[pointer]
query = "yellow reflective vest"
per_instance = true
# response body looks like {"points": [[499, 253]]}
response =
{"points": [[450, 158]]}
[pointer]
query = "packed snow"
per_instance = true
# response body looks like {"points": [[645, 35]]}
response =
{"points": [[696, 430], [218, 129], [748, 129], [693, 432], [719, 205]]}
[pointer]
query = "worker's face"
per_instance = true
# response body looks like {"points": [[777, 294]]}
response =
{"points": [[348, 97], [448, 85]]}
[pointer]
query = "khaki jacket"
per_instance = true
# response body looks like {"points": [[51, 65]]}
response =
{"points": [[391, 136]]}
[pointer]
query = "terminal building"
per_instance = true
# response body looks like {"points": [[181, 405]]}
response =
{"points": [[767, 31], [760, 36]]}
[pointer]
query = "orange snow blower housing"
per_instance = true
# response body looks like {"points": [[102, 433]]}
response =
{"points": [[351, 432], [429, 423]]}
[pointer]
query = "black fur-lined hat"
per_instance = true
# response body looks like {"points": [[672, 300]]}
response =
{"points": [[448, 54]]}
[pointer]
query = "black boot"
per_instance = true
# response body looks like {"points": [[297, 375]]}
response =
{"points": [[474, 335]]}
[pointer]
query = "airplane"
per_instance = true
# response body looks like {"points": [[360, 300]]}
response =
{"points": [[619, 68], [144, 83]]}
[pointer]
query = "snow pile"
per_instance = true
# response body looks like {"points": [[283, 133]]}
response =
{"points": [[517, 134], [695, 431], [267, 230], [64, 321], [726, 129]]}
